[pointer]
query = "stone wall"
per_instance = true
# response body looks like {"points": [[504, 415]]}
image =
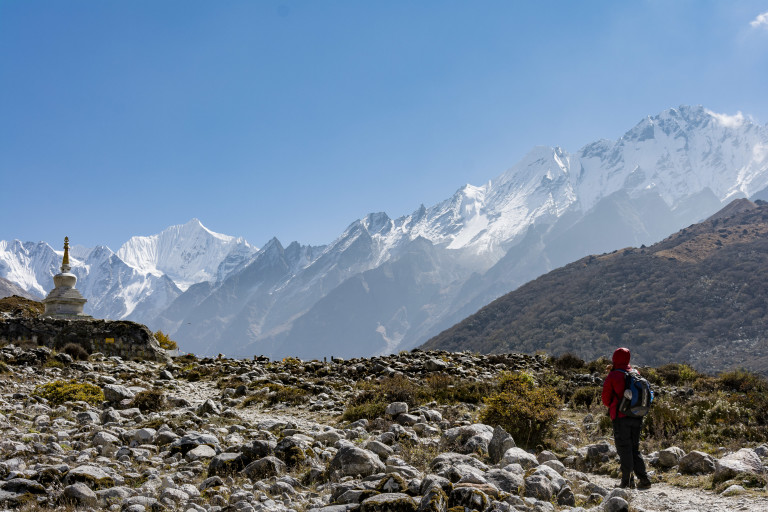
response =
{"points": [[128, 340]]}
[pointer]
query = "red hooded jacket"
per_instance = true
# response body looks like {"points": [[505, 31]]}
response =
{"points": [[613, 386]]}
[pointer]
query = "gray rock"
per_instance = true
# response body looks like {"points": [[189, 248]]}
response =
{"points": [[22, 486], [470, 498], [669, 457], [566, 498], [87, 417], [744, 461], [615, 504], [389, 502], [538, 486], [519, 456], [434, 500], [93, 476], [192, 440], [733, 490], [200, 452], [505, 480], [225, 464], [80, 493], [264, 468], [379, 448], [115, 393], [396, 408], [351, 460], [697, 462]]}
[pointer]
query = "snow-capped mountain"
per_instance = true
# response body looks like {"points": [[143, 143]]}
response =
{"points": [[389, 284], [157, 270], [187, 254]]}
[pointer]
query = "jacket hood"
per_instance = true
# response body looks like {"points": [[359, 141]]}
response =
{"points": [[621, 358]]}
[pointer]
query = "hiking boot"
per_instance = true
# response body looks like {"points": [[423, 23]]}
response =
{"points": [[643, 483], [625, 483]]}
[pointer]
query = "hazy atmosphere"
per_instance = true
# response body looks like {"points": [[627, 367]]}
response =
{"points": [[292, 119]]}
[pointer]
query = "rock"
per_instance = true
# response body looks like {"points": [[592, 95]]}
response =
{"points": [[740, 462], [433, 500], [115, 393], [505, 480], [22, 486], [200, 452], [87, 417], [80, 494], [93, 476], [600, 452], [396, 408], [351, 460], [264, 468], [615, 504], [519, 456], [538, 486], [225, 464], [208, 407], [697, 462], [733, 490], [670, 457], [469, 498], [389, 502], [379, 448], [105, 439], [145, 435], [294, 450], [566, 498], [192, 440]]}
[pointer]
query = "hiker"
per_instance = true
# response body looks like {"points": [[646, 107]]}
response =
{"points": [[626, 430]]}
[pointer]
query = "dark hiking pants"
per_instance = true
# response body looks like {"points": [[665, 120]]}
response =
{"points": [[626, 436]]}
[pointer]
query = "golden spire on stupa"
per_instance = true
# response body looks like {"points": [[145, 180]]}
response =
{"points": [[65, 260]]}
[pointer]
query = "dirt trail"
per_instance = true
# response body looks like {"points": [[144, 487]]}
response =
{"points": [[667, 498]]}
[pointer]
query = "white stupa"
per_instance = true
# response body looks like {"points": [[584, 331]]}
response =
{"points": [[64, 301]]}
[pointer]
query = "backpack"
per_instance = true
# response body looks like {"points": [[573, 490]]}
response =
{"points": [[638, 395]]}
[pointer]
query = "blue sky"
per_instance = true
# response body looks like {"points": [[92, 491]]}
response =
{"points": [[293, 119]]}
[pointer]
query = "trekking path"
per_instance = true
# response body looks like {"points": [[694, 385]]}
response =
{"points": [[667, 498]]}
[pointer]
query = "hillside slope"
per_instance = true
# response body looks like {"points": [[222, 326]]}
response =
{"points": [[685, 298]]}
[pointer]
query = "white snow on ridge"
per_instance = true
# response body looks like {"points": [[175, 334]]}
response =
{"points": [[188, 253]]}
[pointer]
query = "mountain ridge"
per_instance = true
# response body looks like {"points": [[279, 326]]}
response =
{"points": [[674, 301], [550, 208]]}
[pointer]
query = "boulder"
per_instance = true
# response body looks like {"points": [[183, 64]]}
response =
{"points": [[697, 462], [389, 502], [744, 461], [670, 457], [264, 468], [80, 494], [519, 456], [352, 460]]}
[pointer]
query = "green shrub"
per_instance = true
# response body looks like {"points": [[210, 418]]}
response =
{"points": [[528, 412], [447, 389], [60, 391], [568, 361], [75, 351], [664, 421], [165, 342], [367, 410], [743, 381], [149, 400], [674, 374], [586, 396], [599, 365], [4, 367]]}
